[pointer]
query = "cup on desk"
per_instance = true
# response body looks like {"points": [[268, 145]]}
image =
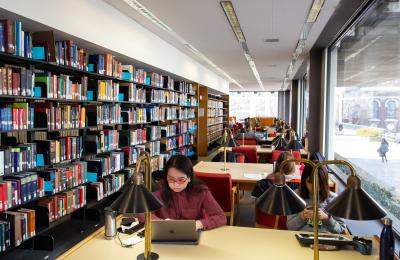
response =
{"points": [[110, 230]]}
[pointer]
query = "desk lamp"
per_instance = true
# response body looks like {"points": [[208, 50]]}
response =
{"points": [[353, 203], [280, 199], [136, 198], [293, 144], [279, 142], [228, 141]]}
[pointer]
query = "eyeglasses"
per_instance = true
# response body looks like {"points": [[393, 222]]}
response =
{"points": [[181, 180]]}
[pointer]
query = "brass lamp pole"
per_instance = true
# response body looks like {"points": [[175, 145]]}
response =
{"points": [[137, 198], [138, 178], [353, 203], [227, 132]]}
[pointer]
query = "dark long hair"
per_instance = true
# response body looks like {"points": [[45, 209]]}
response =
{"points": [[323, 183], [184, 165]]}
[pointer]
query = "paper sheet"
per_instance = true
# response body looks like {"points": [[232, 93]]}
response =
{"points": [[254, 175]]}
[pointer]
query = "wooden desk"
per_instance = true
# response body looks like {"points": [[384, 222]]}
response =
{"points": [[265, 153], [228, 242], [237, 171]]}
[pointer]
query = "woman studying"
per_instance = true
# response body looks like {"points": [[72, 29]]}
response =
{"points": [[303, 220], [186, 197]]}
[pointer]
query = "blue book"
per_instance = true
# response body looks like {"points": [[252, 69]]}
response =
{"points": [[2, 43], [26, 45], [18, 38]]}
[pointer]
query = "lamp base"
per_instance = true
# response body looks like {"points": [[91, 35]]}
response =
{"points": [[224, 169], [153, 256]]}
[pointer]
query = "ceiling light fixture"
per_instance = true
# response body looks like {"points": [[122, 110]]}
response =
{"points": [[314, 11], [156, 21], [311, 18], [272, 40], [230, 14]]}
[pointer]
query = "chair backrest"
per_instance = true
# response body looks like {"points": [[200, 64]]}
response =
{"points": [[247, 141], [275, 155], [249, 152], [268, 220], [220, 185]]}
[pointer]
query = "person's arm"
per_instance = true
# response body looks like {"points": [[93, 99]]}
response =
{"points": [[299, 220], [214, 215], [333, 224]]}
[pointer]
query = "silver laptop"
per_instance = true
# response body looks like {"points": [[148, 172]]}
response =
{"points": [[175, 232]]}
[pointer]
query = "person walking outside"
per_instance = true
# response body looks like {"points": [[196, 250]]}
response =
{"points": [[383, 149]]}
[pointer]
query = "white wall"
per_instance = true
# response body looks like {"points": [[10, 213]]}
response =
{"points": [[101, 24]]}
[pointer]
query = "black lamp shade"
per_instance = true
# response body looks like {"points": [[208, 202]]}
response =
{"points": [[294, 145], [232, 142], [280, 143], [136, 199], [280, 200], [355, 204]]}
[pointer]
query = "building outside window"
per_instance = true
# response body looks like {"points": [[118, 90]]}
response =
{"points": [[253, 104], [364, 67]]}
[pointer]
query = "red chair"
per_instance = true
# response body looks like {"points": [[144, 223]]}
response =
{"points": [[247, 141], [264, 220], [271, 134], [275, 155], [220, 185], [249, 152]]}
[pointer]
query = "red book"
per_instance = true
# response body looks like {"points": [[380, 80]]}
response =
{"points": [[1, 198], [16, 82], [4, 80], [15, 118]]}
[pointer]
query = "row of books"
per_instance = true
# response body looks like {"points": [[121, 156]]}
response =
{"points": [[16, 226], [214, 120], [132, 93], [17, 81], [215, 104], [102, 141], [42, 46], [60, 117], [177, 113], [17, 158], [16, 116], [61, 178], [103, 90], [105, 164], [59, 150], [176, 142], [64, 203], [103, 114], [20, 189], [49, 85], [107, 186]]}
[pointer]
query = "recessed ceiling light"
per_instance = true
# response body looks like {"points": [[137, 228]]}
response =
{"points": [[271, 40]]}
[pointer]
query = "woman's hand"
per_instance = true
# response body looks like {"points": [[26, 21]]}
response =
{"points": [[199, 225], [322, 215], [307, 213]]}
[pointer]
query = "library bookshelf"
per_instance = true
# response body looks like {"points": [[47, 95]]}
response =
{"points": [[73, 122]]}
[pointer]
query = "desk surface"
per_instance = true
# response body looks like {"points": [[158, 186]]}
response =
{"points": [[228, 242], [236, 170], [260, 149], [254, 171]]}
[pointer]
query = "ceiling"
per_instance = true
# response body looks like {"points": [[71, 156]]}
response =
{"points": [[204, 25]]}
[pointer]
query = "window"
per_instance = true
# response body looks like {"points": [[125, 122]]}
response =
{"points": [[253, 104], [364, 76]]}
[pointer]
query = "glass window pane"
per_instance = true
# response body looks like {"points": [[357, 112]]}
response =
{"points": [[366, 103], [253, 104]]}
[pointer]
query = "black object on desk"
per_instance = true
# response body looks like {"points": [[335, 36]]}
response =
{"points": [[362, 245]]}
